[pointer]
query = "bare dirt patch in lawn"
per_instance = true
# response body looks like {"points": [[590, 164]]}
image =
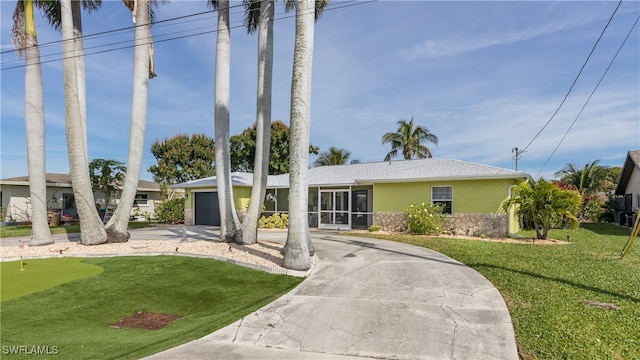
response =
{"points": [[146, 320]]}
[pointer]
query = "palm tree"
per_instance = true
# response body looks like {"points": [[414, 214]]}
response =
{"points": [[587, 180], [334, 156], [91, 229], [408, 138], [230, 225], [296, 249], [546, 204], [260, 17], [25, 39], [119, 222]]}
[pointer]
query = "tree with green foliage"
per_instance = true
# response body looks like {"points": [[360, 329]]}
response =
{"points": [[171, 211], [408, 139], [106, 175], [546, 204], [594, 182], [243, 149], [182, 158], [333, 156], [588, 180]]}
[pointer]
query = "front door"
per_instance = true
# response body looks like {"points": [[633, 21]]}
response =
{"points": [[359, 209], [334, 209]]}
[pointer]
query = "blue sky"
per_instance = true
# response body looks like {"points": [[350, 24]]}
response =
{"points": [[483, 76]]}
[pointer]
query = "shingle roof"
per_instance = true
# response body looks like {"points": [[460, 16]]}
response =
{"points": [[64, 180], [631, 162], [377, 172]]}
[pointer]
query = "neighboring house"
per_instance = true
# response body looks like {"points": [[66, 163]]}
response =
{"points": [[356, 196], [16, 205], [629, 184]]}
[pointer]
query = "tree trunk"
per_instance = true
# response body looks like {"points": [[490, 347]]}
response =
{"points": [[78, 56], [119, 222], [34, 125], [296, 250], [263, 123], [91, 230], [229, 229]]}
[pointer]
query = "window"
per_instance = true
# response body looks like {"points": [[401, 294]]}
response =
{"points": [[141, 199], [443, 195]]}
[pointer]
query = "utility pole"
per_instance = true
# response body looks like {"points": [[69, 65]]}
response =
{"points": [[517, 156]]}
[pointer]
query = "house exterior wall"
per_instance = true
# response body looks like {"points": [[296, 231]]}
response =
{"points": [[16, 203], [469, 196], [15, 200], [475, 209], [475, 204], [633, 187]]}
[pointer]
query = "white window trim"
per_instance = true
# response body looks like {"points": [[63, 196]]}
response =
{"points": [[439, 200], [138, 198]]}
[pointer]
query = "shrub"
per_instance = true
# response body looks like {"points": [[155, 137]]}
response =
{"points": [[171, 211], [374, 228], [425, 218], [275, 221]]}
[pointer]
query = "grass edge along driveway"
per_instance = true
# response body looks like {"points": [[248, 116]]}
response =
{"points": [[545, 287], [74, 318]]}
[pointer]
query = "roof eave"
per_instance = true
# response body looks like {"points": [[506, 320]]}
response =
{"points": [[452, 178]]}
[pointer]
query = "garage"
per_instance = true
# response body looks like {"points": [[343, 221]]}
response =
{"points": [[206, 209]]}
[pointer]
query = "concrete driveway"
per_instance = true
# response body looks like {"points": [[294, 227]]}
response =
{"points": [[369, 299]]}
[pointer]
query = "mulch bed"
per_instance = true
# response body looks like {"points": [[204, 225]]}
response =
{"points": [[146, 320]]}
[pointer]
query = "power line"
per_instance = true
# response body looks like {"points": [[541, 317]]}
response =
{"points": [[591, 95], [576, 78], [21, 65]]}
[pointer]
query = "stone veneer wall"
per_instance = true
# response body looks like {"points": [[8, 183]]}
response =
{"points": [[485, 225], [188, 217]]}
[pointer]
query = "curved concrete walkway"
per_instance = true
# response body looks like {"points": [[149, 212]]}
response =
{"points": [[370, 298]]}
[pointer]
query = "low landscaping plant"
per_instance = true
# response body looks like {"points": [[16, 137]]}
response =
{"points": [[425, 218], [374, 228], [275, 221]]}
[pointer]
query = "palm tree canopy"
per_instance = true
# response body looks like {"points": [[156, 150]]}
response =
{"points": [[50, 11], [333, 156], [408, 138], [320, 6], [587, 180]]}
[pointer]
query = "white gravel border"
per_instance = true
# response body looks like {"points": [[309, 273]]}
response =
{"points": [[263, 256]]}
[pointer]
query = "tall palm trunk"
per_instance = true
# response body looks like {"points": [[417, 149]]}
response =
{"points": [[34, 125], [229, 229], [117, 225], [91, 230], [296, 250], [263, 123], [78, 55]]}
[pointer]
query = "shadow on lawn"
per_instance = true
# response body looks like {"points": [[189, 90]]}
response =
{"points": [[606, 229], [560, 281]]}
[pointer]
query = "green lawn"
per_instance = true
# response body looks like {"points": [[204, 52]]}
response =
{"points": [[38, 275], [25, 230], [75, 317], [544, 286]]}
